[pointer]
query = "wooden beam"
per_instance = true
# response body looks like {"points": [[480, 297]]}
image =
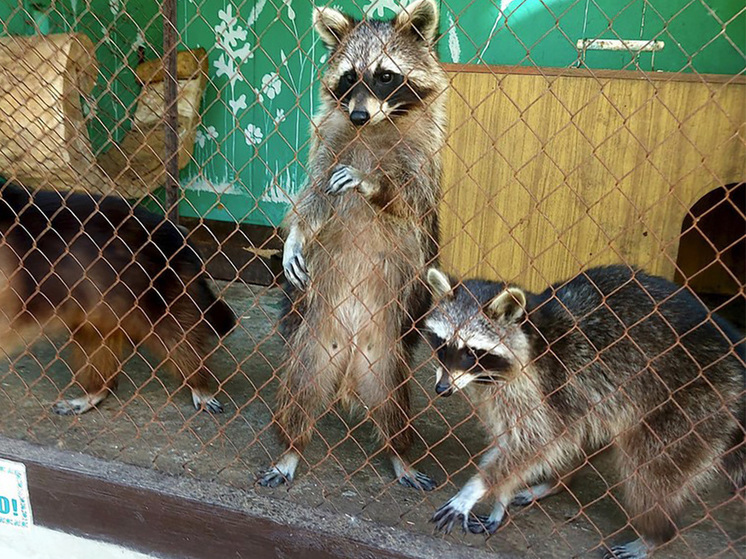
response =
{"points": [[638, 75], [114, 504], [252, 253]]}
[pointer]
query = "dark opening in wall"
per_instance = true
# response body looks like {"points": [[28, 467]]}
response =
{"points": [[712, 251]]}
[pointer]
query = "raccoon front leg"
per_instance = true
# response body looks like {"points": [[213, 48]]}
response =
{"points": [[541, 490], [293, 262], [457, 510], [502, 474], [346, 178], [537, 492]]}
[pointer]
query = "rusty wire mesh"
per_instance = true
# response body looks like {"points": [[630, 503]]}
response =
{"points": [[558, 157]]}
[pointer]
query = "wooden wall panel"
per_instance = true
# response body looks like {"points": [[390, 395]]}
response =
{"points": [[548, 174]]}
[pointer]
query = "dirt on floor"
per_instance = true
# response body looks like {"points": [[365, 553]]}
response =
{"points": [[150, 423]]}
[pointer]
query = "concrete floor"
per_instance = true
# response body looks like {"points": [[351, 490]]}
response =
{"points": [[150, 423]]}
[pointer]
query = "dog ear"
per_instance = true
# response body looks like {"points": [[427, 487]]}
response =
{"points": [[420, 18], [331, 25], [439, 284], [508, 307]]}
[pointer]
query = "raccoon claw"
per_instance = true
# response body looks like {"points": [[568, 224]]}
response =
{"points": [[273, 478], [343, 178], [418, 480], [482, 524], [293, 262], [522, 500], [211, 406], [206, 402], [447, 516], [632, 550]]}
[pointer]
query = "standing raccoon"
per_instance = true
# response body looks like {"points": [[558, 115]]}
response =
{"points": [[611, 356], [364, 231]]}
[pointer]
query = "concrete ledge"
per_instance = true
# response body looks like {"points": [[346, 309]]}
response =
{"points": [[184, 517]]}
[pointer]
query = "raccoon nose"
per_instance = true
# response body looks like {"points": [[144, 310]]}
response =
{"points": [[443, 388], [359, 117]]}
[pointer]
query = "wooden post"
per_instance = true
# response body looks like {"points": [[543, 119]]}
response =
{"points": [[171, 120]]}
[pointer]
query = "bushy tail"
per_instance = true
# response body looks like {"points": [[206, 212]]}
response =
{"points": [[221, 317], [734, 463], [734, 460]]}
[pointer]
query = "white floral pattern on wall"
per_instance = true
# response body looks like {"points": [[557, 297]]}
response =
{"points": [[231, 39], [253, 135]]}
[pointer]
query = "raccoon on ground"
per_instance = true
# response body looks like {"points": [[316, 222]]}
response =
{"points": [[363, 231], [613, 356], [112, 277]]}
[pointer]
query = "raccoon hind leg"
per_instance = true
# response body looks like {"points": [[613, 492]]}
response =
{"points": [[382, 388], [660, 468], [306, 386], [96, 356]]}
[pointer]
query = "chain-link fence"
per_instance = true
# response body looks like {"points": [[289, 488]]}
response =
{"points": [[555, 137]]}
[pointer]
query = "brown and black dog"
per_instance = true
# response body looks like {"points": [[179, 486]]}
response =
{"points": [[112, 277]]}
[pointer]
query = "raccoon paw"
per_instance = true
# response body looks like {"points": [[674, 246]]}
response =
{"points": [[418, 480], [632, 550], [273, 478], [527, 496], [293, 263], [483, 524], [204, 401], [343, 178], [449, 515]]}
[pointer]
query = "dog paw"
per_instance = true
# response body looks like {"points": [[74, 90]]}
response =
{"points": [[273, 477], [68, 407]]}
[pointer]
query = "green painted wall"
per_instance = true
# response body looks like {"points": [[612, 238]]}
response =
{"points": [[264, 62], [265, 59]]}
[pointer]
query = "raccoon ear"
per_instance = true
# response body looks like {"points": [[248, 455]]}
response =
{"points": [[419, 17], [509, 305], [439, 283], [331, 25]]}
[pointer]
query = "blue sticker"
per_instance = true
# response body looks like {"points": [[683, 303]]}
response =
{"points": [[15, 506]]}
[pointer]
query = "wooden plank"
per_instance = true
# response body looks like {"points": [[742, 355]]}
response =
{"points": [[171, 120], [638, 75], [251, 253], [67, 499], [545, 176]]}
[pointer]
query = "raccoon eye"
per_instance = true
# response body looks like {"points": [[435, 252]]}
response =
{"points": [[349, 78], [386, 77]]}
